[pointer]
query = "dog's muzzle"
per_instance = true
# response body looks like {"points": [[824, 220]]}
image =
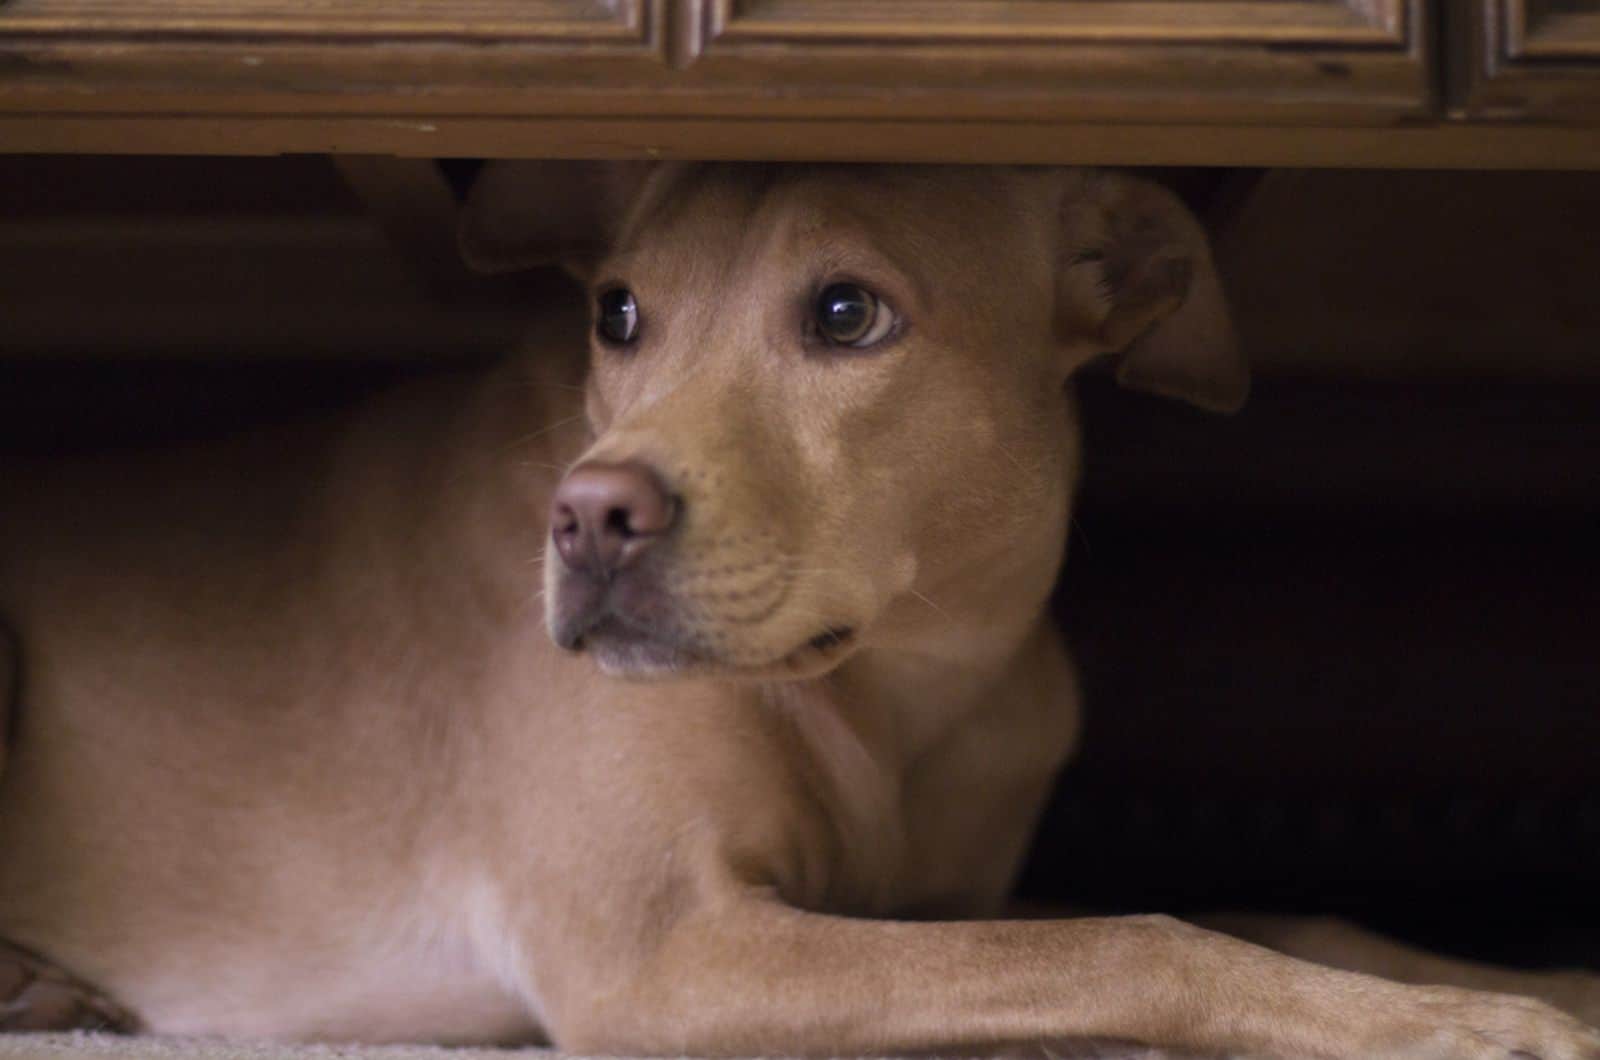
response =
{"points": [[605, 521]]}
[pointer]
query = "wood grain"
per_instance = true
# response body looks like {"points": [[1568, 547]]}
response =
{"points": [[1203, 61], [837, 140], [1262, 61], [487, 20], [1319, 22], [1539, 29], [1532, 60], [1211, 82]]}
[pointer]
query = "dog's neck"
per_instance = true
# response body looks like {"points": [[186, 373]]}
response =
{"points": [[904, 693]]}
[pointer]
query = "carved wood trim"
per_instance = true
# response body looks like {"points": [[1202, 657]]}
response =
{"points": [[1346, 61], [1540, 29], [1337, 61], [1440, 146], [1316, 22], [371, 56], [1533, 60], [571, 21]]}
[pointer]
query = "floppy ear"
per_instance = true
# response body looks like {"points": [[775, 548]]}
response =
{"points": [[1135, 274], [523, 214]]}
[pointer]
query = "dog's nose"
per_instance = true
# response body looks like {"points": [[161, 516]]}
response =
{"points": [[605, 516]]}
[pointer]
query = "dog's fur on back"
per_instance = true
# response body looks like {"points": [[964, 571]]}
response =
{"points": [[297, 757]]}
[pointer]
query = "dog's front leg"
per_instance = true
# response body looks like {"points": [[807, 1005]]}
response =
{"points": [[755, 977], [1338, 944]]}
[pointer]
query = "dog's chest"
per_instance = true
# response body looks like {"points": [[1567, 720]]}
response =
{"points": [[944, 835], [970, 811]]}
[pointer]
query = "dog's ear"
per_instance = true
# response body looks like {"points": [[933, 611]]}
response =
{"points": [[1136, 278], [523, 214]]}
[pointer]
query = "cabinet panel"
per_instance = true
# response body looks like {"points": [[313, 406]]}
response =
{"points": [[1553, 29], [1266, 60], [1148, 21], [568, 20], [1534, 60], [277, 55]]}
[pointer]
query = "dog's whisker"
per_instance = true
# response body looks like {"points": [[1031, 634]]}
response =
{"points": [[525, 382], [929, 601], [532, 436]]}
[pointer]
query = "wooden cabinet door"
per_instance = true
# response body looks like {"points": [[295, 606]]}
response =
{"points": [[1534, 59], [212, 54], [1346, 61]]}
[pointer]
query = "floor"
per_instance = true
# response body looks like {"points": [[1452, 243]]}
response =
{"points": [[117, 1047], [114, 1047]]}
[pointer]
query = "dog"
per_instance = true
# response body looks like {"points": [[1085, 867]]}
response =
{"points": [[701, 702]]}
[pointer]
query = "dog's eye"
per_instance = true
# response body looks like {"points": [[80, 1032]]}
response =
{"points": [[618, 319], [850, 315]]}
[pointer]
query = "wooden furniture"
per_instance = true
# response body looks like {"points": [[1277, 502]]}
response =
{"points": [[1425, 83], [1535, 59]]}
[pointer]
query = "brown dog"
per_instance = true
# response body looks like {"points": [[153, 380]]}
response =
{"points": [[296, 758]]}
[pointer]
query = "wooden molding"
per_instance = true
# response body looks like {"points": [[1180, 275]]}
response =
{"points": [[1533, 60], [883, 80], [571, 21], [1540, 29], [1330, 61], [210, 55], [1452, 146], [1312, 22], [1257, 61]]}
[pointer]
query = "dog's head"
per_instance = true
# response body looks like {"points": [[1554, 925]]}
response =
{"points": [[828, 403]]}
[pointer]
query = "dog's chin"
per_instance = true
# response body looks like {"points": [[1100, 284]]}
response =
{"points": [[620, 650], [630, 653]]}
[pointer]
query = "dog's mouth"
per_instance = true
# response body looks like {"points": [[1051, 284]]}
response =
{"points": [[628, 649], [831, 643], [634, 629]]}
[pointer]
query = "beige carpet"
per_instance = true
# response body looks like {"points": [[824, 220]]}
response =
{"points": [[116, 1047]]}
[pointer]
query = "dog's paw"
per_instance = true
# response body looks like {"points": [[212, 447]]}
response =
{"points": [[1447, 1023], [37, 996]]}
